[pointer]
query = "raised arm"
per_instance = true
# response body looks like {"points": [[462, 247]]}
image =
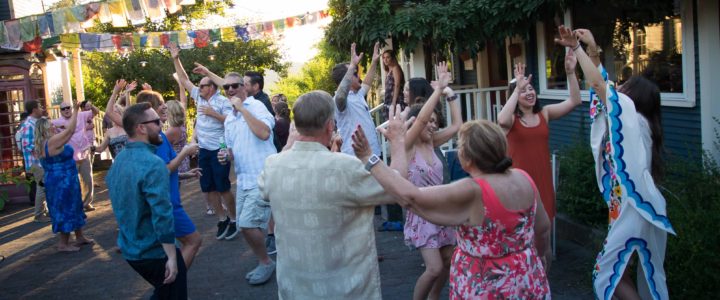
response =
{"points": [[204, 71], [445, 134], [110, 107], [179, 69], [344, 88], [587, 37], [558, 110], [426, 112], [58, 141], [590, 70], [370, 76], [506, 117], [182, 94], [257, 126]]}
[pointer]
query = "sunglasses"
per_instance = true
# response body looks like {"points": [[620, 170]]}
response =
{"points": [[204, 85], [235, 86], [65, 108], [156, 121]]}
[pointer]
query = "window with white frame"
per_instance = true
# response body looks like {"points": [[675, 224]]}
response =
{"points": [[663, 52]]}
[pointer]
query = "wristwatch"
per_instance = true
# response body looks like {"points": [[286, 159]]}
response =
{"points": [[374, 160]]}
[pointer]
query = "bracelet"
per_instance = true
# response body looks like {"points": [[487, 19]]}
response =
{"points": [[451, 98], [576, 47]]}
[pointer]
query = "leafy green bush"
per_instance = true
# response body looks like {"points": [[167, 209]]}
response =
{"points": [[578, 195]]}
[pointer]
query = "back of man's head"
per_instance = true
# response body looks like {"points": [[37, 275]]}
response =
{"points": [[30, 105], [312, 111], [256, 78], [338, 72], [133, 116]]}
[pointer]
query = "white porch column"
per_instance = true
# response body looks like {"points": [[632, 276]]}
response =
{"points": [[708, 47], [77, 73], [65, 80]]}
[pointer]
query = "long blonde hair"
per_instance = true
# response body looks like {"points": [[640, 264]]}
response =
{"points": [[41, 134], [176, 113]]}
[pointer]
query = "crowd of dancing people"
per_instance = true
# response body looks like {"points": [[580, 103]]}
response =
{"points": [[307, 187]]}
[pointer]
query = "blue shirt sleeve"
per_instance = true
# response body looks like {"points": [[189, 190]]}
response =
{"points": [[155, 187]]}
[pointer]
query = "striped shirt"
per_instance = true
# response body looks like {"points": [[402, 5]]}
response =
{"points": [[210, 130]]}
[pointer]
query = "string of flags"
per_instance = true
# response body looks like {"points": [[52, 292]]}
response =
{"points": [[66, 27]]}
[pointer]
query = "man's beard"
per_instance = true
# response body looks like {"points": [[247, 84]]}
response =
{"points": [[155, 139]]}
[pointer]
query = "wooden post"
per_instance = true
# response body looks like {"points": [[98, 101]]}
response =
{"points": [[77, 72]]}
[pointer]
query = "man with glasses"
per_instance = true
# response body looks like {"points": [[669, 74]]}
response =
{"points": [[139, 187], [212, 109], [33, 169], [82, 147]]}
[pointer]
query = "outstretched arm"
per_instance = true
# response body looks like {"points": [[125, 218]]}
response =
{"points": [[344, 87], [429, 107], [204, 71], [558, 110], [179, 69], [110, 107], [443, 135], [590, 70], [506, 116], [370, 76]]}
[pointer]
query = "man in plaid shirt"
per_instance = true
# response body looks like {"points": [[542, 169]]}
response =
{"points": [[32, 164]]}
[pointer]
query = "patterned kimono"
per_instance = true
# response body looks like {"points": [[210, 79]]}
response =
{"points": [[621, 146]]}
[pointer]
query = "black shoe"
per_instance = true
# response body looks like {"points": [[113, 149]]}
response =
{"points": [[231, 231], [270, 244], [222, 229]]}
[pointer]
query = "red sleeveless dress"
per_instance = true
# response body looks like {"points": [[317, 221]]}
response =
{"points": [[529, 150], [498, 259]]}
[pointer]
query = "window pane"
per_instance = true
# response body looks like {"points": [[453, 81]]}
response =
{"points": [[654, 51], [554, 59]]}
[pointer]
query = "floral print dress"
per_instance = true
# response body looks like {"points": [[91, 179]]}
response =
{"points": [[498, 260]]}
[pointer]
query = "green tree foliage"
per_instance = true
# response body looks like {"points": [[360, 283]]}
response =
{"points": [[466, 25], [101, 70], [314, 75]]}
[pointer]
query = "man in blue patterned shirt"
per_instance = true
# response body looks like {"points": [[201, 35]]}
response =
{"points": [[139, 187], [32, 164]]}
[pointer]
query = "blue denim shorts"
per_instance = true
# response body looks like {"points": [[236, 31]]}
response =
{"points": [[215, 176]]}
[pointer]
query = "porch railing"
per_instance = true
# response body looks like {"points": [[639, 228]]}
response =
{"points": [[476, 104]]}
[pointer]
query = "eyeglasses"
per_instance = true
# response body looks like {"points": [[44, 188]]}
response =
{"points": [[204, 85], [65, 108], [156, 121], [235, 86]]}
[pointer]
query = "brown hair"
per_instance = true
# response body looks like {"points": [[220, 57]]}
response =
{"points": [[483, 143], [312, 111], [133, 116], [152, 97]]}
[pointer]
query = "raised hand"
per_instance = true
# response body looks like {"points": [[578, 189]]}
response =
{"points": [[376, 52], [396, 128], [585, 36], [354, 57], [567, 38], [360, 144], [146, 86], [443, 75], [119, 85], [520, 80], [131, 86], [570, 62], [200, 69], [336, 143], [174, 50]]}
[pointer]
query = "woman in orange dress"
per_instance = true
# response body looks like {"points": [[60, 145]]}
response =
{"points": [[525, 123]]}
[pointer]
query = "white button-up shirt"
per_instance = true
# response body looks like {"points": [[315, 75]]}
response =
{"points": [[249, 151], [356, 112], [210, 130]]}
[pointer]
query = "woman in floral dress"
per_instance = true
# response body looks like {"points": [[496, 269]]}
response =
{"points": [[61, 182], [502, 247]]}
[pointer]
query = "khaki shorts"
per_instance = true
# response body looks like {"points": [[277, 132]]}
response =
{"points": [[251, 210]]}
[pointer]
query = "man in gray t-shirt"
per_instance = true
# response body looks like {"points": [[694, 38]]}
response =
{"points": [[351, 108]]}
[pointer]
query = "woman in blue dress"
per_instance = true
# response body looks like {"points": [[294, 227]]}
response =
{"points": [[61, 182]]}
